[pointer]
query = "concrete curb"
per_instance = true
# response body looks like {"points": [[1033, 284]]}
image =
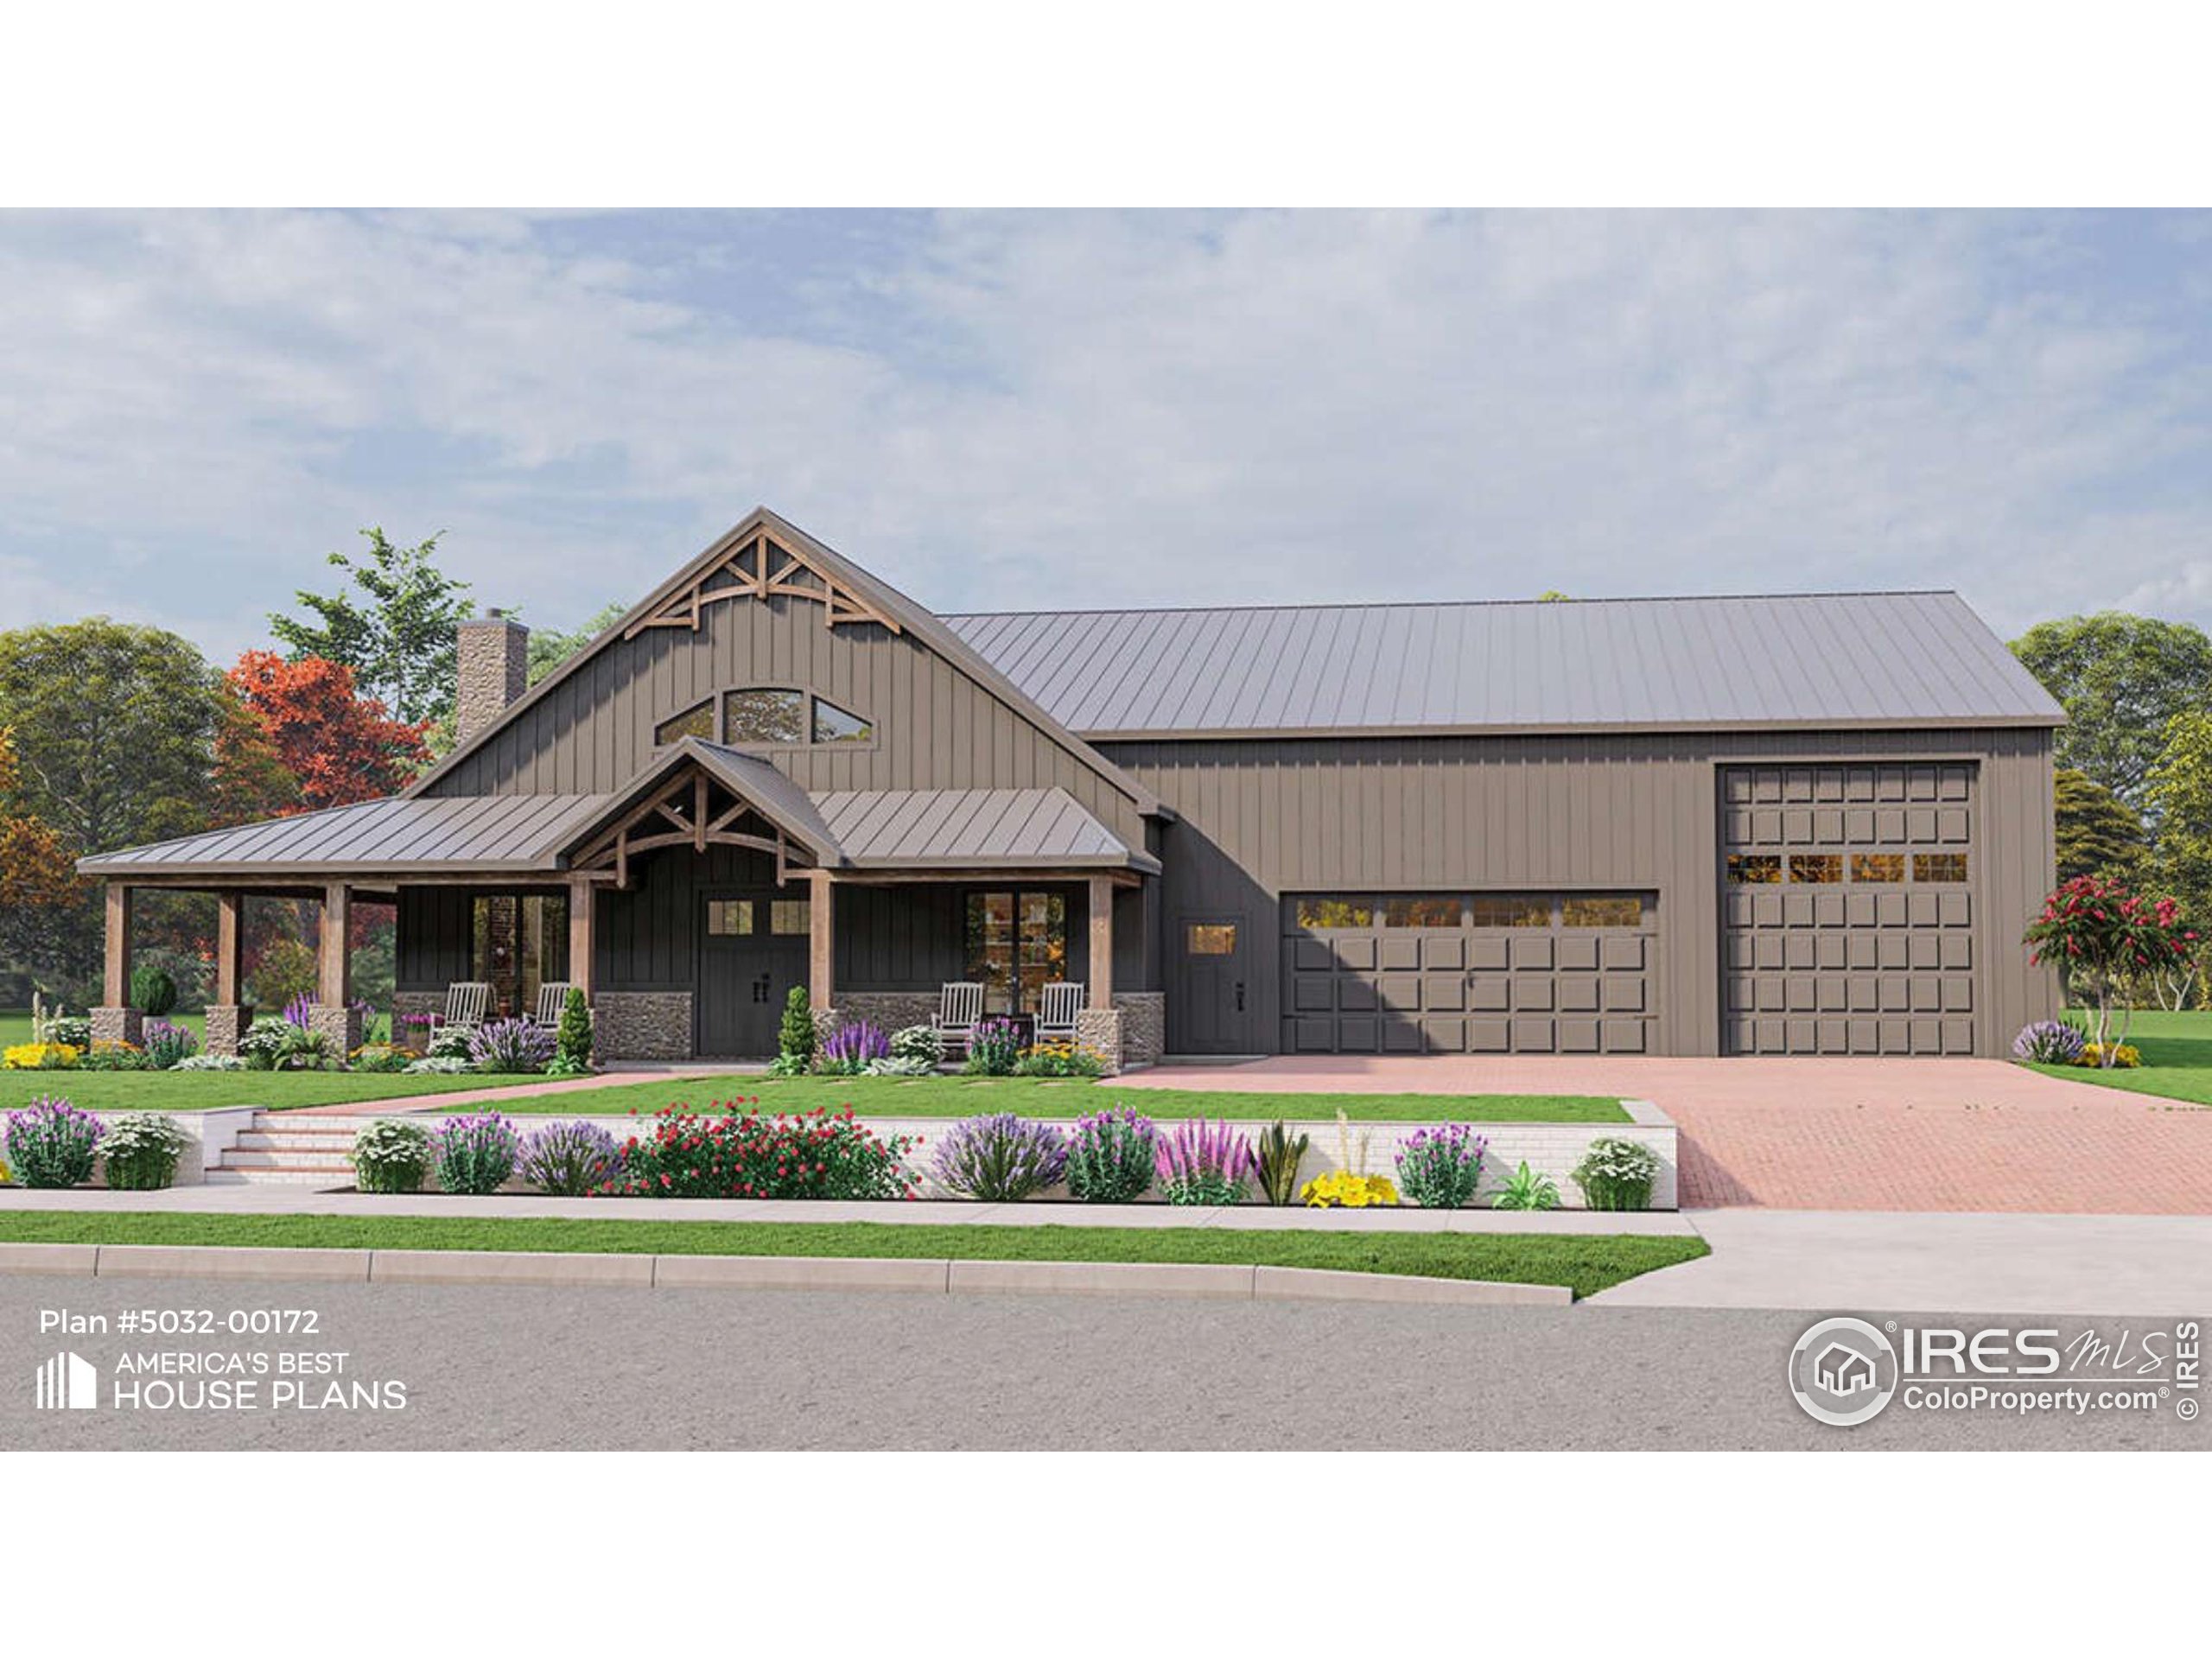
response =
{"points": [[931, 1277]]}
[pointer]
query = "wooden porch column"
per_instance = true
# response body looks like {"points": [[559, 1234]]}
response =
{"points": [[1102, 942], [581, 895], [333, 984], [821, 940], [229, 940], [116, 985]]}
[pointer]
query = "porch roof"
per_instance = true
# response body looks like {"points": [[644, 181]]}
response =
{"points": [[521, 835]]}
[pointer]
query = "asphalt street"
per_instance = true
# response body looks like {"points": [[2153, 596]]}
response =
{"points": [[501, 1367]]}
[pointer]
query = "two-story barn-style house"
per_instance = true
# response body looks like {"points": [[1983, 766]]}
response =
{"points": [[1809, 824]]}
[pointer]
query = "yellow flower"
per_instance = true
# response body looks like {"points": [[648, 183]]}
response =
{"points": [[38, 1056]]}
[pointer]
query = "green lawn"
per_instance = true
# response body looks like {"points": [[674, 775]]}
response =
{"points": [[201, 1091], [959, 1096], [2176, 1057], [1586, 1263], [16, 1025]]}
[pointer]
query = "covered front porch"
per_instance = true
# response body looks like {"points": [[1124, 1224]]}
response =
{"points": [[686, 906]]}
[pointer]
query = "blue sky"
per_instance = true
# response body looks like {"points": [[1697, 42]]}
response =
{"points": [[1061, 408]]}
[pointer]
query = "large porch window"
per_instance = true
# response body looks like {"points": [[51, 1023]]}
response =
{"points": [[1017, 943], [520, 941]]}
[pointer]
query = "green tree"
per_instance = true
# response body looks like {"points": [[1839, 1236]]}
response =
{"points": [[2180, 793], [114, 726], [2122, 679], [399, 637], [2099, 834], [550, 647]]}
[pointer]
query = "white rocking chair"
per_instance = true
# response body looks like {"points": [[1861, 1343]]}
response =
{"points": [[1058, 1004], [552, 999], [959, 1009], [466, 1001]]}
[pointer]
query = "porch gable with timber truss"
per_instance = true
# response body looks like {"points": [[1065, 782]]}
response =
{"points": [[700, 794]]}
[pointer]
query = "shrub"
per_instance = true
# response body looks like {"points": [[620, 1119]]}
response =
{"points": [[42, 1057], [378, 1056], [211, 1063], [994, 1047], [266, 1042], [1617, 1174], [847, 1051], [510, 1046], [73, 1030], [440, 1065], [795, 1038], [1440, 1166], [2100, 936], [391, 1155], [167, 1045], [752, 1155], [900, 1066], [476, 1153], [451, 1042], [1198, 1162], [572, 1045], [287, 970], [1000, 1158], [1111, 1156], [2109, 1055], [1526, 1190], [51, 1143], [1276, 1161], [919, 1043], [571, 1161], [1060, 1061], [152, 990], [107, 1055], [308, 1050], [141, 1150], [2049, 1042], [1343, 1189]]}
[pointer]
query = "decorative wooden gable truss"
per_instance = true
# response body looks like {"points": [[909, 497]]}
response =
{"points": [[760, 568], [690, 810]]}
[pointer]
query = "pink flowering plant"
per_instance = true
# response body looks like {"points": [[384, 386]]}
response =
{"points": [[51, 1143], [1198, 1162], [2098, 934]]}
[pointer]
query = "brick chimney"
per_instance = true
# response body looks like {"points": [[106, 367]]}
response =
{"points": [[494, 670]]}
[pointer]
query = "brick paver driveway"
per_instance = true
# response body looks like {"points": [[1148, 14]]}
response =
{"points": [[1834, 1133]]}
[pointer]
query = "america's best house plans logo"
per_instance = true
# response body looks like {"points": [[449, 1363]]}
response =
{"points": [[68, 1383]]}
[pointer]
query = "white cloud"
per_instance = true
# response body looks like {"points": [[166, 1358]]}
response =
{"points": [[1064, 408]]}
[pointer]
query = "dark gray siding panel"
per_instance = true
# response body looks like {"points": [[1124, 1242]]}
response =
{"points": [[935, 727], [645, 939], [435, 936], [1261, 819], [914, 937]]}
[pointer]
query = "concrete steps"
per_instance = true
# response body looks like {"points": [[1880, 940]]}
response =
{"points": [[284, 1149]]}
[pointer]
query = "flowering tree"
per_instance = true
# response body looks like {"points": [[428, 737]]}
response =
{"points": [[2098, 934], [339, 747]]}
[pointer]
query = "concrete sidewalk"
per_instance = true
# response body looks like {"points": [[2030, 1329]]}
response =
{"points": [[305, 1201], [1884, 1262]]}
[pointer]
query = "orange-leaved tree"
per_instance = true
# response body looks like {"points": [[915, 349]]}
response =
{"points": [[334, 747]]}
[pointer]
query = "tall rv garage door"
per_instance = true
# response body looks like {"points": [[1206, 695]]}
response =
{"points": [[1848, 915], [1469, 973]]}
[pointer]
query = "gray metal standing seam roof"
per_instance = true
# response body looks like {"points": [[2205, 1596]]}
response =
{"points": [[1809, 659], [971, 828]]}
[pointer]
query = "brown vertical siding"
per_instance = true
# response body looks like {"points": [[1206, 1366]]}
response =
{"points": [[935, 727], [1261, 818]]}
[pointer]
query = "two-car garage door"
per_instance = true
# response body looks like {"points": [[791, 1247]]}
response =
{"points": [[1477, 973], [1848, 924]]}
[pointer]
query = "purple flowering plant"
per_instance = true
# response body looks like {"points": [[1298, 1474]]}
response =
{"points": [[1111, 1156], [1440, 1166], [1199, 1162], [166, 1044], [848, 1050], [510, 1046], [476, 1153], [51, 1143], [572, 1160], [1000, 1158], [994, 1046]]}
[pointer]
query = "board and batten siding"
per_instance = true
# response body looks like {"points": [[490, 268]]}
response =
{"points": [[1604, 811], [935, 726]]}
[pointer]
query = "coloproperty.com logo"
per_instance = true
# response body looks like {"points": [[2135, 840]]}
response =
{"points": [[1845, 1371]]}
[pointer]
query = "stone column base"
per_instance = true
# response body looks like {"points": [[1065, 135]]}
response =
{"points": [[226, 1023], [341, 1026], [119, 1026], [1101, 1028], [1144, 1025], [641, 1026]]}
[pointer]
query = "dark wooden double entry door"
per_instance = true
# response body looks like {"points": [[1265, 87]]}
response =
{"points": [[753, 948]]}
